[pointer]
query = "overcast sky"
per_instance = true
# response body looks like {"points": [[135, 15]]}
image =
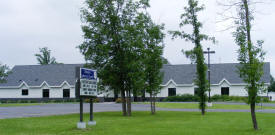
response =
{"points": [[27, 25]]}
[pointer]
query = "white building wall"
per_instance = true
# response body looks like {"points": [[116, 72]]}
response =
{"points": [[57, 92], [234, 90], [179, 90], [36, 92]]}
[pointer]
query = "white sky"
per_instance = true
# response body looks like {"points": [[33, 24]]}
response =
{"points": [[27, 25]]}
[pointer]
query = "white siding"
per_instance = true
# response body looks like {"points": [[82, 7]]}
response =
{"points": [[234, 90], [179, 90], [36, 92], [57, 92]]}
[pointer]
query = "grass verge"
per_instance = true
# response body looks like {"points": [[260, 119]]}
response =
{"points": [[19, 104], [142, 123], [195, 106]]}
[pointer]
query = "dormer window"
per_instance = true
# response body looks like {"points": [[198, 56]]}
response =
{"points": [[25, 92]]}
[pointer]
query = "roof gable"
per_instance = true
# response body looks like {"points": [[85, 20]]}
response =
{"points": [[186, 73], [36, 75], [181, 75]]}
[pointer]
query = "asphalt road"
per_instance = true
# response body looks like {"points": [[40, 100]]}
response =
{"points": [[68, 108]]}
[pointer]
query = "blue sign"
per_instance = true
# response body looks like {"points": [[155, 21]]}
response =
{"points": [[87, 74]]}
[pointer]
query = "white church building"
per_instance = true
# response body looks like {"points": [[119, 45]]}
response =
{"points": [[58, 81]]}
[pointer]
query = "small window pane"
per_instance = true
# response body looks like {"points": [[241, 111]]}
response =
{"points": [[25, 92], [225, 91], [46, 93], [66, 93], [172, 92]]}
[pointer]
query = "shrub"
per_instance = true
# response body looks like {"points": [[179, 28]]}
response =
{"points": [[118, 100], [23, 101], [33, 101], [11, 101], [215, 98], [96, 100], [182, 98], [87, 100], [4, 101]]}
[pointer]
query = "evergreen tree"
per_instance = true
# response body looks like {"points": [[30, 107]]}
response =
{"points": [[196, 54]]}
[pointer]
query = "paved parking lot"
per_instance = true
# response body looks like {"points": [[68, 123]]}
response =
{"points": [[69, 108], [57, 109]]}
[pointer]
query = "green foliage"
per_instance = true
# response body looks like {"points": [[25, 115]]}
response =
{"points": [[250, 56], [118, 36], [4, 72], [215, 98], [165, 61], [190, 17], [153, 60], [44, 58], [271, 88], [182, 98], [222, 98]]}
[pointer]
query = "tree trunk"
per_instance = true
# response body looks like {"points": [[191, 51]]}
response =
{"points": [[203, 105], [115, 95], [123, 103], [151, 102], [251, 62], [203, 110], [154, 105], [253, 115], [129, 112]]}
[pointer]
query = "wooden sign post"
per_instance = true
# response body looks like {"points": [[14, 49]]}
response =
{"points": [[85, 87]]}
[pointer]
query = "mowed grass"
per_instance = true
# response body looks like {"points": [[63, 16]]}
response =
{"points": [[196, 105], [143, 123], [19, 104]]}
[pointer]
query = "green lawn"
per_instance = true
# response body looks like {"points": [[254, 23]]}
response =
{"points": [[19, 104], [195, 106], [142, 123]]}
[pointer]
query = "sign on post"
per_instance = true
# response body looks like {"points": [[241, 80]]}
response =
{"points": [[88, 82], [85, 87]]}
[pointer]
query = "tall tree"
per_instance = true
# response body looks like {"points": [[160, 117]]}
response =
{"points": [[153, 60], [196, 54], [44, 58], [113, 44], [251, 56], [4, 72]]}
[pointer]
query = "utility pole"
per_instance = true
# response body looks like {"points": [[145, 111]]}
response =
{"points": [[209, 82]]}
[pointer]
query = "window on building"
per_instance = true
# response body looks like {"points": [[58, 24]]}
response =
{"points": [[172, 92], [46, 93], [66, 93], [25, 92], [225, 91], [196, 91]]}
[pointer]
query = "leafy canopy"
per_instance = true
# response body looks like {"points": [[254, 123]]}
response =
{"points": [[4, 72], [190, 17], [250, 56], [44, 58]]}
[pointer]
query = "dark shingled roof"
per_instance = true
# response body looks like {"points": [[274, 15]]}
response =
{"points": [[55, 75], [35, 75], [186, 73]]}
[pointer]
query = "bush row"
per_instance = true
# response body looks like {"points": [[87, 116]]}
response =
{"points": [[96, 100], [42, 101], [215, 98]]}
